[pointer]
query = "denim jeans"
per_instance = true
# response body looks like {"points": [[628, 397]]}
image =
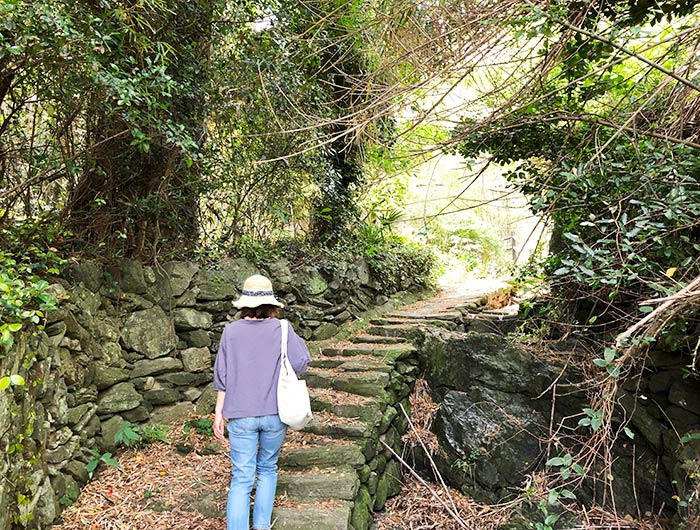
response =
{"points": [[255, 446]]}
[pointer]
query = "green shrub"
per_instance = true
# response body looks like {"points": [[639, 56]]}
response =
{"points": [[397, 266], [130, 434], [200, 425]]}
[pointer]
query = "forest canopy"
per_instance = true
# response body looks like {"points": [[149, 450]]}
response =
{"points": [[159, 128]]}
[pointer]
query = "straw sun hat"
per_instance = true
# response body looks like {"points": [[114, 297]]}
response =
{"points": [[257, 290]]}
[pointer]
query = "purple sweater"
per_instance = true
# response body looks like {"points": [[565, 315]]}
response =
{"points": [[248, 365]]}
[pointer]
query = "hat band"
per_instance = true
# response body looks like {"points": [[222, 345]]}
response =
{"points": [[257, 293]]}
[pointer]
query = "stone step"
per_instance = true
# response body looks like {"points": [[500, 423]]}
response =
{"points": [[490, 315], [374, 339], [328, 424], [319, 516], [491, 323], [321, 456], [406, 331], [368, 383], [436, 323], [454, 316], [387, 352], [340, 483], [364, 408], [352, 364]]}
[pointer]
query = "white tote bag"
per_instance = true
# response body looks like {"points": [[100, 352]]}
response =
{"points": [[293, 400]]}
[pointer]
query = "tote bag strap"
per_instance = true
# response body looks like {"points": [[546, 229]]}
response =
{"points": [[283, 346]]}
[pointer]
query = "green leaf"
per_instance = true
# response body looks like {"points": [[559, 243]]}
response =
{"points": [[629, 433], [4, 383], [646, 309], [17, 380], [609, 354], [14, 327], [690, 437], [551, 518], [6, 337], [567, 494], [107, 459], [92, 465], [559, 461], [573, 237], [127, 434], [613, 371]]}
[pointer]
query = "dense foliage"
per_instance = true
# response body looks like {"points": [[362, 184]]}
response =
{"points": [[623, 200], [101, 105], [149, 128], [145, 128]]}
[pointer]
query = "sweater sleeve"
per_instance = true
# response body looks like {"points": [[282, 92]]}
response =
{"points": [[220, 365], [297, 352]]}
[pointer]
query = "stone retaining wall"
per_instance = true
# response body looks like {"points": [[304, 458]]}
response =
{"points": [[137, 343]]}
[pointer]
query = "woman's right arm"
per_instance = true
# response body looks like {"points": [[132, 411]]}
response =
{"points": [[220, 387], [219, 424]]}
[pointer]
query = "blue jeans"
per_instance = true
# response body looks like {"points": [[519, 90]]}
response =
{"points": [[255, 446]]}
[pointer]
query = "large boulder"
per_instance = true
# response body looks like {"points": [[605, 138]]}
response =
{"points": [[459, 361], [186, 319], [491, 440], [149, 332], [146, 367], [308, 282], [129, 276], [279, 273], [196, 359], [85, 300], [120, 397], [497, 405], [225, 281], [174, 277], [87, 273], [106, 376]]}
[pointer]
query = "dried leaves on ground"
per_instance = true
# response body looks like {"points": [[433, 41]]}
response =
{"points": [[156, 488], [417, 509]]}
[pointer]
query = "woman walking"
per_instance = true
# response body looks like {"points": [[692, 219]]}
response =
{"points": [[246, 371]]}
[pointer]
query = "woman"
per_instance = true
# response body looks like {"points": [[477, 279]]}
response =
{"points": [[246, 371]]}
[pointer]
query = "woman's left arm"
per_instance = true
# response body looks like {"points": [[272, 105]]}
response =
{"points": [[298, 353]]}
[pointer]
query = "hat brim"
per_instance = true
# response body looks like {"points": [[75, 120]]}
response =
{"points": [[256, 301]]}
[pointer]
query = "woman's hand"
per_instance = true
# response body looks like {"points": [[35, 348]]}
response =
{"points": [[219, 423], [219, 427]]}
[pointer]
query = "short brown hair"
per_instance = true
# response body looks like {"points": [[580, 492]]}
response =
{"points": [[262, 311]]}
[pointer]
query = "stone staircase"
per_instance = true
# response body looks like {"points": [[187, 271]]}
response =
{"points": [[337, 471]]}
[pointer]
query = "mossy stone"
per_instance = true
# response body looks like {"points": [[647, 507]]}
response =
{"points": [[372, 483], [364, 473], [392, 473], [361, 517], [381, 494], [387, 418]]}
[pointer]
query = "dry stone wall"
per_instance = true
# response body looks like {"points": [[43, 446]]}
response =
{"points": [[137, 343]]}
